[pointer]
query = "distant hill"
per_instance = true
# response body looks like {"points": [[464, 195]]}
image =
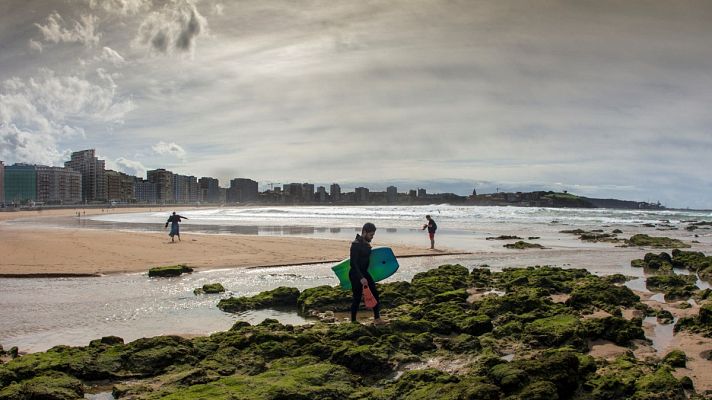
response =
{"points": [[557, 199]]}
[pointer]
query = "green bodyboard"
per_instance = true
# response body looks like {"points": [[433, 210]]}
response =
{"points": [[381, 265]]}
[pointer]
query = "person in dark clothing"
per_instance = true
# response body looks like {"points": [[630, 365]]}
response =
{"points": [[432, 227], [174, 220], [358, 274]]}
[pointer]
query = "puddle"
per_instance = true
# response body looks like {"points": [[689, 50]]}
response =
{"points": [[659, 297], [661, 335], [637, 284]]}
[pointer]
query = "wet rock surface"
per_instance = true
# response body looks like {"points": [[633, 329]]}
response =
{"points": [[430, 318]]}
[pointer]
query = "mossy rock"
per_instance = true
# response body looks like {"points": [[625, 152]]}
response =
{"points": [[691, 260], [616, 329], [508, 377], [355, 361], [674, 286], [169, 271], [364, 359], [665, 317], [210, 288], [660, 385], [643, 240], [152, 356], [279, 297], [324, 298], [553, 331], [596, 292], [656, 262], [540, 390], [290, 378], [702, 323], [522, 245], [676, 359], [445, 278], [504, 237], [53, 385]]}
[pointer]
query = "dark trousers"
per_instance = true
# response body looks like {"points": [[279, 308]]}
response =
{"points": [[357, 290]]}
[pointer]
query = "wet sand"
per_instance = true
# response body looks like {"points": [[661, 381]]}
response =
{"points": [[33, 250]]}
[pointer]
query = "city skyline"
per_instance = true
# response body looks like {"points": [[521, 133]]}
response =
{"points": [[83, 162], [605, 99]]}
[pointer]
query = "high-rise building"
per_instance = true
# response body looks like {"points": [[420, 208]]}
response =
{"points": [[2, 183], [120, 186], [361, 195], [321, 194], [293, 192], [210, 189], [391, 194], [422, 193], [145, 191], [164, 185], [335, 192], [307, 192], [20, 184], [57, 185], [242, 190], [93, 175], [185, 189]]}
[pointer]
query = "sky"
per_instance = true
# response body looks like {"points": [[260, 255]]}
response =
{"points": [[607, 99]]}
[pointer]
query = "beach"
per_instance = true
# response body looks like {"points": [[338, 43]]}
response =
{"points": [[102, 258], [38, 250]]}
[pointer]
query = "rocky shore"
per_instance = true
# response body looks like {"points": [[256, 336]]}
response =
{"points": [[453, 333]]}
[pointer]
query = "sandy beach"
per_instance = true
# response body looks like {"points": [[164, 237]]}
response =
{"points": [[32, 250]]}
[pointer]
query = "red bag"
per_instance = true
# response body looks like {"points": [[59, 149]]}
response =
{"points": [[368, 298]]}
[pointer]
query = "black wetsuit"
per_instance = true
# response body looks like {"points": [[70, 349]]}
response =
{"points": [[360, 253]]}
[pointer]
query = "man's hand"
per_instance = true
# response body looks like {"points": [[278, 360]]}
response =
{"points": [[364, 282]]}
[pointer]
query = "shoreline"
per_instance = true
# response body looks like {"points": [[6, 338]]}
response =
{"points": [[37, 251], [92, 275]]}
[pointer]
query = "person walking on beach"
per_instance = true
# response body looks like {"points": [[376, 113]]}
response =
{"points": [[432, 227], [174, 220], [358, 274]]}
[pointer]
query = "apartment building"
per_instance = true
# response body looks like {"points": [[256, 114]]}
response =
{"points": [[93, 172], [165, 193], [58, 185]]}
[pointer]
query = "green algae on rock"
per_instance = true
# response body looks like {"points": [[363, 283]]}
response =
{"points": [[279, 297], [675, 358], [642, 240], [675, 287], [595, 236], [169, 271], [438, 344], [522, 245], [210, 288]]}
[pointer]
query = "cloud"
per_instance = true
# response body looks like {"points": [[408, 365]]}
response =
{"points": [[35, 45], [112, 56], [175, 27], [124, 7], [81, 32], [173, 149], [38, 113], [130, 167]]}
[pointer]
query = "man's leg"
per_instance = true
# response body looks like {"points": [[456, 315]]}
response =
{"points": [[357, 291]]}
